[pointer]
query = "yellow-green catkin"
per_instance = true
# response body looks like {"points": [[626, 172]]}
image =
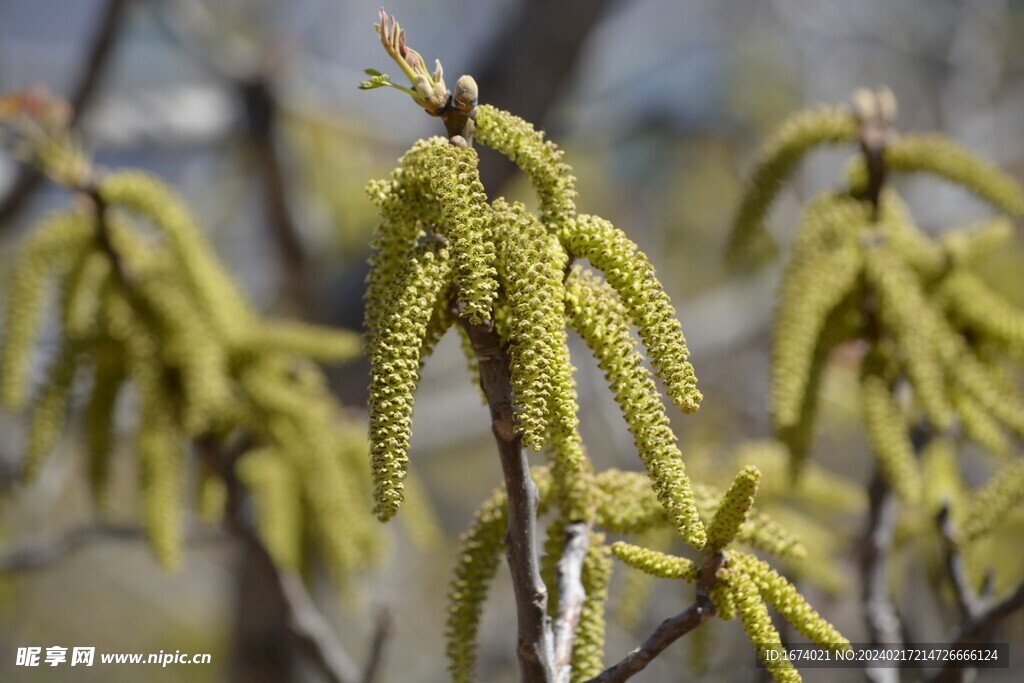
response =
{"points": [[989, 505], [626, 502], [594, 310], [818, 490], [914, 322], [635, 588], [48, 252], [480, 551], [219, 297], [972, 303], [734, 509], [971, 246], [762, 532], [722, 596], [889, 439], [967, 373], [940, 156], [466, 220], [799, 134], [82, 294], [844, 323], [270, 479], [532, 266], [302, 339], [540, 159], [108, 377], [654, 562], [821, 272], [211, 497], [904, 238], [940, 470], [757, 624], [588, 646], [787, 601], [190, 347], [395, 367], [648, 307], [160, 459], [49, 408], [407, 210], [979, 426]]}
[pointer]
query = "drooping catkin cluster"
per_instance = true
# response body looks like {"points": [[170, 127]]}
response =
{"points": [[623, 503], [444, 255], [153, 309], [860, 269], [743, 586]]}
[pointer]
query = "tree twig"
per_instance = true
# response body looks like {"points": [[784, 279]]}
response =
{"points": [[308, 627], [381, 635], [671, 629], [535, 648], [29, 179], [879, 612], [978, 630], [968, 602], [571, 595]]}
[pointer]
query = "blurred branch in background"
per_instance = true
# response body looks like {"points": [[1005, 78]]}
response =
{"points": [[250, 68], [528, 66], [40, 554], [95, 66]]}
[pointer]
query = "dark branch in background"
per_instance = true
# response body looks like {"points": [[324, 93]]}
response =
{"points": [[381, 634], [535, 648], [309, 629], [671, 629], [307, 626], [249, 75], [95, 65], [261, 114], [571, 595], [979, 618], [879, 612], [978, 630], [528, 65], [970, 604]]}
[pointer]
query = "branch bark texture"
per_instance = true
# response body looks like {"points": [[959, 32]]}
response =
{"points": [[535, 648]]}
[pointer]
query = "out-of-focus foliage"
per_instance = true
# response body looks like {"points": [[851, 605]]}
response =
{"points": [[144, 303]]}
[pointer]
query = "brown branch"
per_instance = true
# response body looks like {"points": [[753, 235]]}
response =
{"points": [[979, 630], [671, 629], [385, 624], [261, 112], [29, 179], [882, 622], [978, 618], [309, 629], [969, 603], [535, 650], [571, 595]]}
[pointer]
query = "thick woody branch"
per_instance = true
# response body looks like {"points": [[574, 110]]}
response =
{"points": [[571, 595], [670, 630], [535, 649]]}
